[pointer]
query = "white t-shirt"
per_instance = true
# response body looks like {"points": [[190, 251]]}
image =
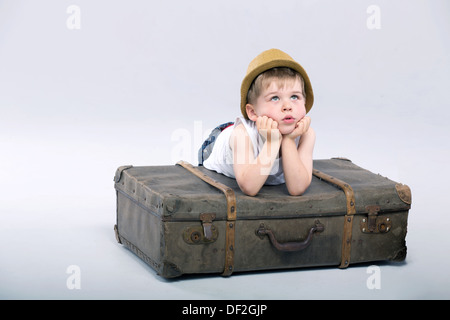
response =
{"points": [[221, 158]]}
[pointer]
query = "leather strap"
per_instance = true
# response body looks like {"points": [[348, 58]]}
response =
{"points": [[351, 210], [231, 214]]}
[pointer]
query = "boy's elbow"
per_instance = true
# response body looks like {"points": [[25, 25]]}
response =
{"points": [[298, 190], [250, 194], [248, 189]]}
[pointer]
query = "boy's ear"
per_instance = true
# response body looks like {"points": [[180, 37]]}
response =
{"points": [[251, 114]]}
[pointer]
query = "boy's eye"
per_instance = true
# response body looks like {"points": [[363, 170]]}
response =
{"points": [[275, 98], [295, 97]]}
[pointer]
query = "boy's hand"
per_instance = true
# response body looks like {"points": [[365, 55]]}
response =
{"points": [[268, 128], [301, 127]]}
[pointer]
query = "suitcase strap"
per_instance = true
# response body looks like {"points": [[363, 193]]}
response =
{"points": [[351, 210], [231, 214]]}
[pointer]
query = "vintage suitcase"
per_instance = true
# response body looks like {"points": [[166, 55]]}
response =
{"points": [[182, 219]]}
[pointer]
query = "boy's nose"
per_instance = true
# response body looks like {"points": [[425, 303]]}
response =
{"points": [[287, 107]]}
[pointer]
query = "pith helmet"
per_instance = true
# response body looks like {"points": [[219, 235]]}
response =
{"points": [[271, 59]]}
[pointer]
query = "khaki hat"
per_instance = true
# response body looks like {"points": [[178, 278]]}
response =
{"points": [[271, 59]]}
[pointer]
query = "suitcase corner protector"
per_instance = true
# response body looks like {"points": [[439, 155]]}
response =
{"points": [[116, 232], [169, 270], [119, 171], [404, 193]]}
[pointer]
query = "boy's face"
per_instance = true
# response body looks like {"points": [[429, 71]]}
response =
{"points": [[284, 104]]}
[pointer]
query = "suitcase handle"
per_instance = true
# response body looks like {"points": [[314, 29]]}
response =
{"points": [[290, 246]]}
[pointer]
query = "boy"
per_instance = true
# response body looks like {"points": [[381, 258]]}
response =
{"points": [[272, 143]]}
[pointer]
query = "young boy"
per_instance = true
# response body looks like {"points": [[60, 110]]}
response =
{"points": [[272, 142]]}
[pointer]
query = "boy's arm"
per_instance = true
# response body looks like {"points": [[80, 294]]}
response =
{"points": [[251, 173], [298, 162]]}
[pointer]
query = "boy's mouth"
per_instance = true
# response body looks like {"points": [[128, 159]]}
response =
{"points": [[288, 119]]}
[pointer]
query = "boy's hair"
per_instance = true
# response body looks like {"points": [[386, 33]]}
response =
{"points": [[280, 74]]}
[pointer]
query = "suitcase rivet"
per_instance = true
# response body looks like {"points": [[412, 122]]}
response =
{"points": [[349, 219], [231, 248], [364, 220], [231, 225]]}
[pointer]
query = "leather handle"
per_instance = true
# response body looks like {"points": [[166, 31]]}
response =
{"points": [[290, 246]]}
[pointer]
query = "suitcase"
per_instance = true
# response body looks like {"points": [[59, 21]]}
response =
{"points": [[182, 219]]}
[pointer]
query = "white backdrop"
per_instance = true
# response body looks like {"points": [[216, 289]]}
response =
{"points": [[85, 89]]}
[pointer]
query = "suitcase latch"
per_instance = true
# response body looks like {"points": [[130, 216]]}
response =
{"points": [[205, 233], [207, 219], [375, 223]]}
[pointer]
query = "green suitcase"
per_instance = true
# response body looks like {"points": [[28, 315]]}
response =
{"points": [[182, 219]]}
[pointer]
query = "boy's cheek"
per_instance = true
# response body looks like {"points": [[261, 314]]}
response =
{"points": [[303, 114]]}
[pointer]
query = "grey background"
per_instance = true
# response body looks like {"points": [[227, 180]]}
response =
{"points": [[141, 82]]}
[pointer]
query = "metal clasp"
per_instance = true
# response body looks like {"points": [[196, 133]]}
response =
{"points": [[207, 219], [372, 217], [375, 223], [206, 233]]}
